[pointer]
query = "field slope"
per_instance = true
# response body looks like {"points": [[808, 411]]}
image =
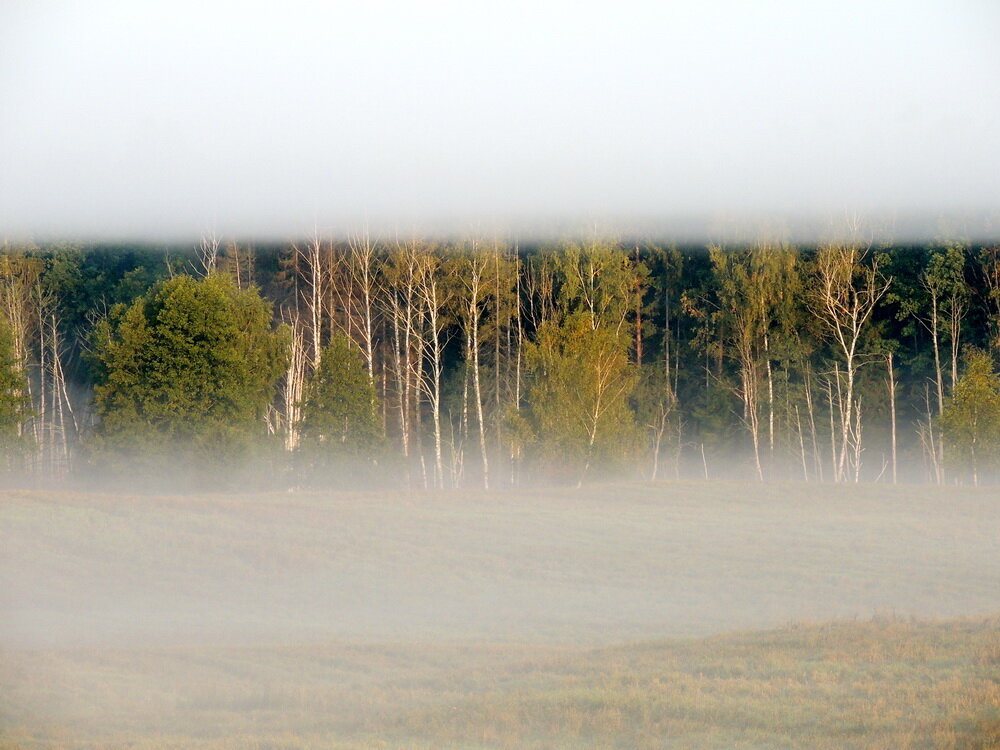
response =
{"points": [[625, 615], [889, 684]]}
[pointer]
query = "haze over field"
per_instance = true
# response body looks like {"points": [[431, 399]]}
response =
{"points": [[168, 119], [501, 619], [496, 250], [601, 565]]}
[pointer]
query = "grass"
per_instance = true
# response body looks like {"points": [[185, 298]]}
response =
{"points": [[615, 616], [882, 683]]}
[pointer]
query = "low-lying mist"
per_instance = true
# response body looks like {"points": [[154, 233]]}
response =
{"points": [[607, 563]]}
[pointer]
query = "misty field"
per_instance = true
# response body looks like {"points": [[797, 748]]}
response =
{"points": [[615, 615]]}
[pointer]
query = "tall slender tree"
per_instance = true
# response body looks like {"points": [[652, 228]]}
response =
{"points": [[847, 287]]}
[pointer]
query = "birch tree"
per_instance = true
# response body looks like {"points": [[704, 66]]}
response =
{"points": [[14, 403], [400, 298], [971, 420], [473, 270], [847, 287], [753, 285], [315, 259], [363, 271], [434, 297], [578, 397], [947, 294]]}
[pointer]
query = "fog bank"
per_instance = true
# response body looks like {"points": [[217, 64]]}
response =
{"points": [[162, 121], [605, 564]]}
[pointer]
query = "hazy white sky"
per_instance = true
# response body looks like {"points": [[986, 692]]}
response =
{"points": [[169, 118]]}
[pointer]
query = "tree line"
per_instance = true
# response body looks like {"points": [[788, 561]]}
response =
{"points": [[484, 363]]}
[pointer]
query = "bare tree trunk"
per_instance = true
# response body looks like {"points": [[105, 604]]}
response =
{"points": [[847, 420], [857, 441], [939, 377], [520, 338], [313, 257], [58, 394], [208, 254], [891, 381], [401, 300], [833, 432], [479, 402], [956, 313], [294, 385], [847, 293], [362, 269], [473, 270], [463, 434], [591, 439], [802, 445], [929, 441], [750, 409], [770, 397], [400, 359], [433, 300], [42, 419], [658, 438], [817, 460], [659, 428]]}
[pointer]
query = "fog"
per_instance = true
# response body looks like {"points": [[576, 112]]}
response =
{"points": [[162, 122], [165, 120], [606, 564], [284, 619]]}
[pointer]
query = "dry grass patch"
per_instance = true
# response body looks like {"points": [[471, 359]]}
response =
{"points": [[879, 684]]}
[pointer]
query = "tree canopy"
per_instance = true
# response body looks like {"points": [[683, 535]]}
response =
{"points": [[187, 371], [14, 402], [581, 380], [482, 363], [341, 412], [971, 418]]}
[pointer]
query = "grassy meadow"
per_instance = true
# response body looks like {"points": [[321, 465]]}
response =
{"points": [[884, 684], [630, 615]]}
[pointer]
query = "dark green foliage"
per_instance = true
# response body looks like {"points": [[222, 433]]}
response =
{"points": [[186, 373], [155, 366], [87, 284], [341, 414]]}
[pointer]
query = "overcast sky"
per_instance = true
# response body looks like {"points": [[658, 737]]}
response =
{"points": [[165, 119]]}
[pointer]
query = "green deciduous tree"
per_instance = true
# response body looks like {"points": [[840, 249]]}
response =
{"points": [[578, 398], [947, 299], [14, 403], [971, 418], [186, 372], [755, 286], [847, 288], [340, 416], [600, 279]]}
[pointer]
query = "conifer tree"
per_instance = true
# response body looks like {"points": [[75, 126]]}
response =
{"points": [[340, 415], [186, 373]]}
